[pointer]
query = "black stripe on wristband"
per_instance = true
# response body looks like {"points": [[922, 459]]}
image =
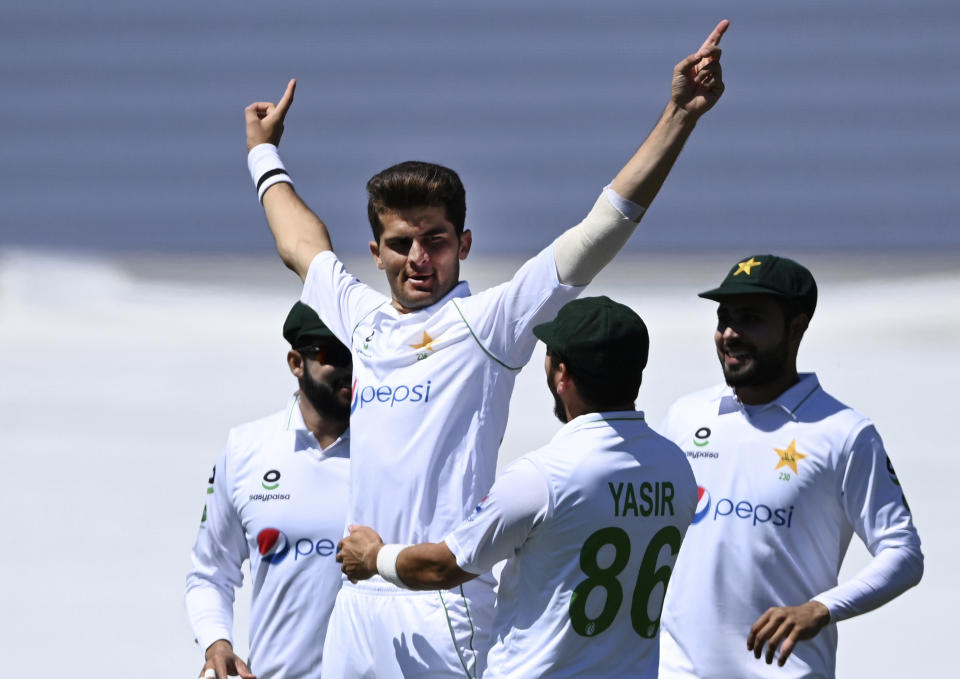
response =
{"points": [[266, 175]]}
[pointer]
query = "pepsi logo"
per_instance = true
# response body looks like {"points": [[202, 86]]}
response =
{"points": [[703, 504], [273, 545]]}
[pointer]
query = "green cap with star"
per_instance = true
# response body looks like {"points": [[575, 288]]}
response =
{"points": [[304, 327], [599, 337], [769, 275]]}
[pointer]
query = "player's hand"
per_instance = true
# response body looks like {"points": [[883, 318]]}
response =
{"points": [[698, 79], [786, 625], [265, 119], [358, 553], [222, 661]]}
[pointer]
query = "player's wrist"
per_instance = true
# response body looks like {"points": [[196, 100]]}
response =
{"points": [[387, 557], [266, 168]]}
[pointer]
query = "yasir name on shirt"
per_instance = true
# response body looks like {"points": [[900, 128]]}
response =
{"points": [[655, 499]]}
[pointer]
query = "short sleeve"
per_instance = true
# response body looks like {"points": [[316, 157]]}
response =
{"points": [[502, 317], [339, 298], [503, 521]]}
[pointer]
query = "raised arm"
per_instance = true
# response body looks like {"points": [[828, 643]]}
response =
{"points": [[581, 252], [298, 232]]}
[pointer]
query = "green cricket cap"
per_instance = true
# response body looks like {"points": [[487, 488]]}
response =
{"points": [[303, 327], [599, 337], [769, 275]]}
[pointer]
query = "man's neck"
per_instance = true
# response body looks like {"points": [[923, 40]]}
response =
{"points": [[759, 394], [326, 429]]}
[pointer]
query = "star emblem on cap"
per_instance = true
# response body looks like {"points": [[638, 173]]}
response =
{"points": [[790, 456], [426, 344], [744, 267]]}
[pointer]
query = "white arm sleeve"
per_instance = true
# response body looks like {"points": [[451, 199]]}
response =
{"points": [[217, 555], [582, 251], [517, 503], [875, 505]]}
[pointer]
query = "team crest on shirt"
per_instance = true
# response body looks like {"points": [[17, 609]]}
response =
{"points": [[425, 347], [790, 458]]}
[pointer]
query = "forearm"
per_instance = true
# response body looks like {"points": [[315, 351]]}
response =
{"points": [[889, 574], [430, 565], [298, 232], [643, 175]]}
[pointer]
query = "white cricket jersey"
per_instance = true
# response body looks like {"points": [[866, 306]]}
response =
{"points": [[590, 526], [276, 499], [783, 487], [431, 389]]}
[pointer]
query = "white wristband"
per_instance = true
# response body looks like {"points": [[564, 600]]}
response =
{"points": [[266, 168], [387, 564]]}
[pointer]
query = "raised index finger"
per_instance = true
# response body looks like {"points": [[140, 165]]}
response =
{"points": [[714, 38], [284, 104]]}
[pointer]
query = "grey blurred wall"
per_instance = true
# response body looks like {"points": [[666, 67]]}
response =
{"points": [[123, 121]]}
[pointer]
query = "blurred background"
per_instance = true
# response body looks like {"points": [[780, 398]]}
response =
{"points": [[141, 300]]}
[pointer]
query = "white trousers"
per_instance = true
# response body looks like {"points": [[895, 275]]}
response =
{"points": [[380, 631]]}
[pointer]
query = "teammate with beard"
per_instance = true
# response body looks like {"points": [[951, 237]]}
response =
{"points": [[589, 524], [786, 475], [277, 496]]}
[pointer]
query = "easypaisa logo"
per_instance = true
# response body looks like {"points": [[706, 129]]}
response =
{"points": [[701, 438], [270, 482]]}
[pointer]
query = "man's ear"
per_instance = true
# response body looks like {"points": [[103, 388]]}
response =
{"points": [[295, 363], [466, 240], [564, 382], [375, 251]]}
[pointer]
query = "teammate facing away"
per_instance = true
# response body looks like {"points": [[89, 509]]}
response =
{"points": [[786, 475], [590, 524], [277, 497], [434, 365]]}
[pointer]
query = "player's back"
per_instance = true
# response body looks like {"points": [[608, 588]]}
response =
{"points": [[582, 596]]}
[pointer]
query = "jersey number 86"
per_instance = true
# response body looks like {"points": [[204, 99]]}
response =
{"points": [[606, 578]]}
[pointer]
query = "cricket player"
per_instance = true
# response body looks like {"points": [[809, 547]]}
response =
{"points": [[787, 474], [277, 497], [590, 524], [434, 365]]}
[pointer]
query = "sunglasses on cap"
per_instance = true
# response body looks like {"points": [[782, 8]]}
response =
{"points": [[330, 354]]}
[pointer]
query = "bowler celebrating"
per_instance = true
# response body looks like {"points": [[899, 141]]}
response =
{"points": [[434, 365]]}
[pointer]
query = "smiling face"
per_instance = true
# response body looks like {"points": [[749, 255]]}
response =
{"points": [[420, 252], [757, 346]]}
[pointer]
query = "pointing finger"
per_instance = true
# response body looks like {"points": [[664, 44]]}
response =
{"points": [[284, 104], [714, 38]]}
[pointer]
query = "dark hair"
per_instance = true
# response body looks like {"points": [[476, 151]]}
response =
{"points": [[609, 392], [416, 184]]}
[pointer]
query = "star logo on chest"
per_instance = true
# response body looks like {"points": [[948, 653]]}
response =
{"points": [[426, 344], [789, 456]]}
